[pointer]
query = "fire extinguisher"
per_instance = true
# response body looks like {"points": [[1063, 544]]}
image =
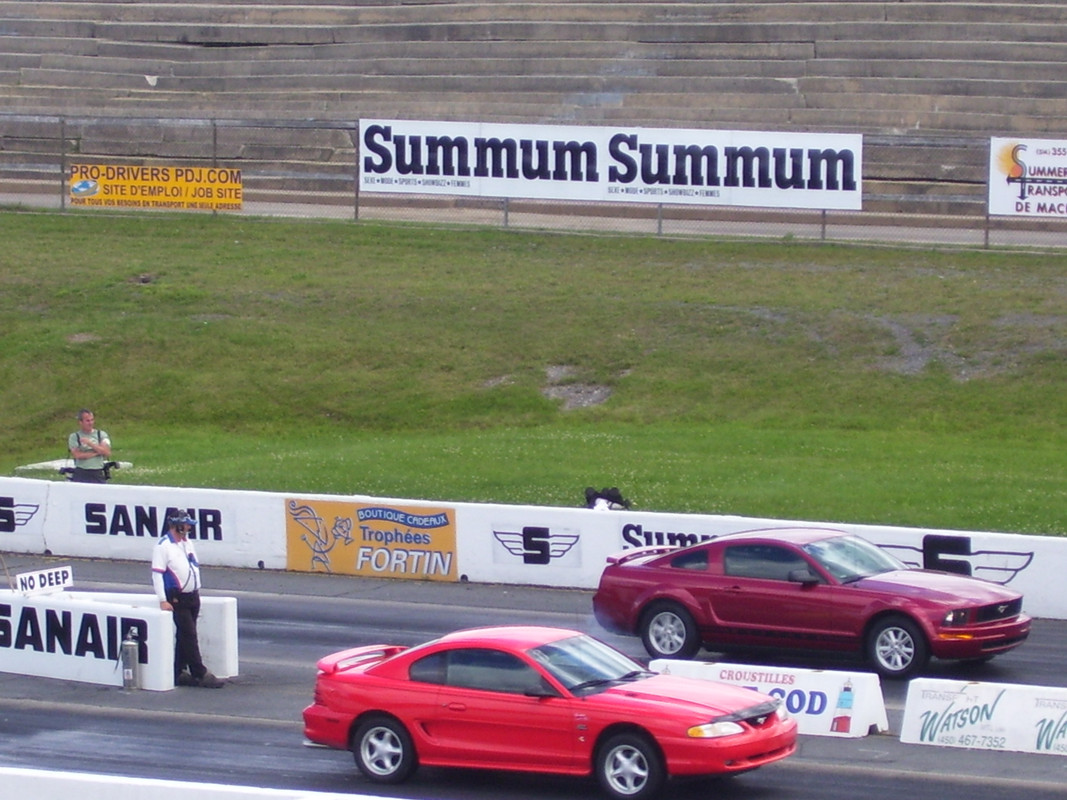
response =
{"points": [[131, 678]]}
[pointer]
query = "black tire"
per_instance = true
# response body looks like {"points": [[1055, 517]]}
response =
{"points": [[383, 750], [669, 631], [896, 648], [629, 767]]}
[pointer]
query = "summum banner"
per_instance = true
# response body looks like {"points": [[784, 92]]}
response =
{"points": [[635, 165]]}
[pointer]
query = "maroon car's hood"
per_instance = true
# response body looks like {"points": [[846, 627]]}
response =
{"points": [[703, 698], [942, 587]]}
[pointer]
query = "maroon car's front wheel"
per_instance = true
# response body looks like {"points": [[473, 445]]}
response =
{"points": [[897, 648], [383, 750], [669, 631]]}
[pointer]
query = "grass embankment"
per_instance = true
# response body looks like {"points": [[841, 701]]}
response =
{"points": [[781, 379]]}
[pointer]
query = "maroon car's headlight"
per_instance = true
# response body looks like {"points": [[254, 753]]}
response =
{"points": [[956, 618]]}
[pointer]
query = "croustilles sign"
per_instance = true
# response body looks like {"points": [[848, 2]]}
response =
{"points": [[156, 187], [639, 165], [379, 540]]}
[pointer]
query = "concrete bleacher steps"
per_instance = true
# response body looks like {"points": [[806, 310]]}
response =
{"points": [[933, 71]]}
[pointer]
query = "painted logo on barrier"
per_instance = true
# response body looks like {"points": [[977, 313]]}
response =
{"points": [[73, 633], [121, 519], [538, 545], [947, 553], [15, 515], [384, 541], [635, 535]]}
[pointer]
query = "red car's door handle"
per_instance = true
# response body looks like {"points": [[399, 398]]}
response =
{"points": [[456, 706]]}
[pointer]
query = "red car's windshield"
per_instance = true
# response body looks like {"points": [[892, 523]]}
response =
{"points": [[582, 662], [850, 558]]}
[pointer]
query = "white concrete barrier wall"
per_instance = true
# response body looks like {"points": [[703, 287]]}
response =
{"points": [[41, 785], [78, 636], [421, 540], [823, 702]]}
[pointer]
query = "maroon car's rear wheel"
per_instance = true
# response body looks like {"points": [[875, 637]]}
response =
{"points": [[383, 750], [897, 648], [669, 631], [630, 767]]}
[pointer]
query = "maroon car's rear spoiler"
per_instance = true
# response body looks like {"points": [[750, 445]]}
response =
{"points": [[638, 552], [358, 657]]}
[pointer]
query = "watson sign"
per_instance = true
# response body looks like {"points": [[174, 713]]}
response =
{"points": [[637, 165]]}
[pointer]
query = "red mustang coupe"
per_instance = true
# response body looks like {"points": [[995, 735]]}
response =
{"points": [[805, 589], [538, 700]]}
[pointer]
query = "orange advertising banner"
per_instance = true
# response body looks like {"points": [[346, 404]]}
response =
{"points": [[372, 539], [156, 187]]}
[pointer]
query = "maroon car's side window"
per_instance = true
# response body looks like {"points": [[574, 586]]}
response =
{"points": [[761, 561], [693, 559]]}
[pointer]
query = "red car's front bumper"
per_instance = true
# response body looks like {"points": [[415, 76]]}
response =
{"points": [[689, 756]]}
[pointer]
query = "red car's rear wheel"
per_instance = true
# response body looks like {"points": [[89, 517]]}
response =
{"points": [[383, 750]]}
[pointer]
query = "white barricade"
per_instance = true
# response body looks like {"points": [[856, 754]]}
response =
{"points": [[986, 716], [823, 702], [41, 785], [78, 636]]}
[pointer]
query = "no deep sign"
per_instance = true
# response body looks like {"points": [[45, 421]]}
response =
{"points": [[44, 581]]}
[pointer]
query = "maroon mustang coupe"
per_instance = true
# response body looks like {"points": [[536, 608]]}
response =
{"points": [[805, 589], [535, 699]]}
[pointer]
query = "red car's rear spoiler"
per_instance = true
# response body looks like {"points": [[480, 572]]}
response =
{"points": [[358, 657], [639, 552]]}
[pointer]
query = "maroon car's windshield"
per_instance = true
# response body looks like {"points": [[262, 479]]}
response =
{"points": [[850, 558]]}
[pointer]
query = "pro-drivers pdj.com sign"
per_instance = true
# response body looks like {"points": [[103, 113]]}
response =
{"points": [[185, 188]]}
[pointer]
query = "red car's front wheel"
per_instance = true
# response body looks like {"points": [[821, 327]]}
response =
{"points": [[629, 767]]}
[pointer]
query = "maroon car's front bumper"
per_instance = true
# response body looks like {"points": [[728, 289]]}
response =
{"points": [[980, 641]]}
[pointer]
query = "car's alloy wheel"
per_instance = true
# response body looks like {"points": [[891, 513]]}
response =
{"points": [[383, 750], [629, 767], [668, 631], [897, 648]]}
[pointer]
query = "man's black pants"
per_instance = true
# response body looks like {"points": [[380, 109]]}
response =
{"points": [[186, 643]]}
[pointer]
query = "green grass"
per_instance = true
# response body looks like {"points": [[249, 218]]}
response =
{"points": [[785, 379]]}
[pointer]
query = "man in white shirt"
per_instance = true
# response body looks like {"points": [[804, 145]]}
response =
{"points": [[176, 580]]}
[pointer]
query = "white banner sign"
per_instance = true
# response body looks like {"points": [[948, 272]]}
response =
{"points": [[823, 702], [1028, 178], [637, 165], [986, 716]]}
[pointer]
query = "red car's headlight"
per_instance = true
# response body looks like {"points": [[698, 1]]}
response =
{"points": [[714, 730]]}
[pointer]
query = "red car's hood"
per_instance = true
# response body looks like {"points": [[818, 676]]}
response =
{"points": [[702, 698], [956, 590]]}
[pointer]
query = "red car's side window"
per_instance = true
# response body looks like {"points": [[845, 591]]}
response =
{"points": [[491, 671], [431, 669]]}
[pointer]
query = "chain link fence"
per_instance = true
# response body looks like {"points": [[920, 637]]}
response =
{"points": [[310, 169]]}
